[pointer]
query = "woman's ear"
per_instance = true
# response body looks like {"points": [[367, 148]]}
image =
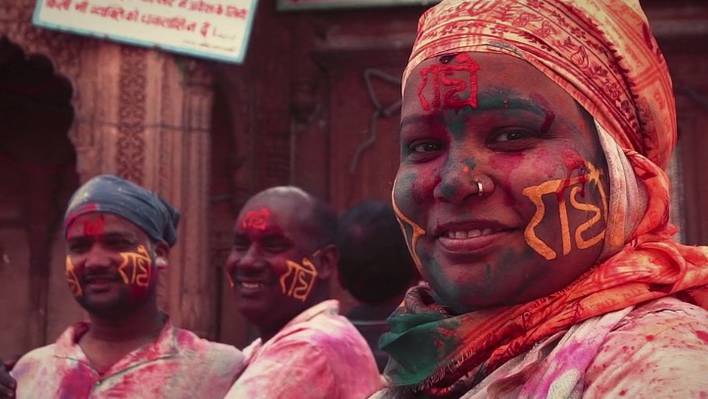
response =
{"points": [[327, 259]]}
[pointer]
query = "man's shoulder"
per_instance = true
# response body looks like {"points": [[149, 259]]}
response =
{"points": [[323, 331], [39, 357], [327, 336], [191, 345]]}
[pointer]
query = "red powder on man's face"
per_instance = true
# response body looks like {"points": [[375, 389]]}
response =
{"points": [[257, 220], [95, 226]]}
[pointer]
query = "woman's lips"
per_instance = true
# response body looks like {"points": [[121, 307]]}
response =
{"points": [[472, 240]]}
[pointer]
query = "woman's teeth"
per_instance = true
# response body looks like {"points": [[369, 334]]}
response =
{"points": [[461, 235]]}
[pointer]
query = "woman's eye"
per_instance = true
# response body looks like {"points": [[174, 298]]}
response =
{"points": [[512, 139], [421, 150], [511, 135], [425, 147]]}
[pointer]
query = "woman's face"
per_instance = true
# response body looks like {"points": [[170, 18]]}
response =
{"points": [[539, 222]]}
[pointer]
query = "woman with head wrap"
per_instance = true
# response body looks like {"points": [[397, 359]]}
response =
{"points": [[533, 197]]}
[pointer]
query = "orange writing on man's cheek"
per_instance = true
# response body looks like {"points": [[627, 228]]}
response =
{"points": [[71, 278], [136, 267], [298, 280]]}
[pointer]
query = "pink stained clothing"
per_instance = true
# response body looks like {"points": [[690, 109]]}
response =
{"points": [[318, 354], [655, 350], [177, 365]]}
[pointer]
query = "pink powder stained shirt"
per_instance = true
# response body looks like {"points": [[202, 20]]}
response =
{"points": [[318, 354], [177, 365], [651, 351], [655, 350]]}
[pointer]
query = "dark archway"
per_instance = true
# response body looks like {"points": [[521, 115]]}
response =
{"points": [[37, 173]]}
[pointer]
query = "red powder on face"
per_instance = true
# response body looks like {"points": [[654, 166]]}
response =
{"points": [[623, 392], [256, 220], [572, 160], [575, 165], [445, 89], [83, 209], [560, 193], [649, 337], [95, 227], [548, 121], [703, 335], [505, 165]]}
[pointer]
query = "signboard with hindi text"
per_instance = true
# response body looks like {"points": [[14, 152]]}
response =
{"points": [[291, 5], [215, 29]]}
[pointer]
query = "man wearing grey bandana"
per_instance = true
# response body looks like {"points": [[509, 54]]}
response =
{"points": [[118, 236]]}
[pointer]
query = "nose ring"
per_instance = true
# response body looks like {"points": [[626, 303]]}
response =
{"points": [[480, 188]]}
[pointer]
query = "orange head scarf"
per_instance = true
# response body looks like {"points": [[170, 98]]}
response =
{"points": [[603, 54]]}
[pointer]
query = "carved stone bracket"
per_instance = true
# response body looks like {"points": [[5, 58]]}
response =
{"points": [[130, 155]]}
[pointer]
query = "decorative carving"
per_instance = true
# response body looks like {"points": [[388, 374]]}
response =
{"points": [[62, 49], [166, 114], [130, 154]]}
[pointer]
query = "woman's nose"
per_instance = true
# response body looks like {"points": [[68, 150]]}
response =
{"points": [[462, 180]]}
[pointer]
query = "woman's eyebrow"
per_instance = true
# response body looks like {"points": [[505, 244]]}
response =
{"points": [[488, 101], [416, 119], [496, 99]]}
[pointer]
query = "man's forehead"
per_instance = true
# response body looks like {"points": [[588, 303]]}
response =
{"points": [[272, 212], [102, 223]]}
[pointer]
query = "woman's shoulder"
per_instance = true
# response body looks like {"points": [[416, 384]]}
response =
{"points": [[660, 349]]}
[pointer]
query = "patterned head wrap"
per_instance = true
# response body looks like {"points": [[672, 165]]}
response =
{"points": [[603, 54], [111, 194]]}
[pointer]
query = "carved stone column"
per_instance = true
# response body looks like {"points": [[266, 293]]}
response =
{"points": [[180, 161]]}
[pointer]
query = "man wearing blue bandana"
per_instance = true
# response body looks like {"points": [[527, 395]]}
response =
{"points": [[118, 236]]}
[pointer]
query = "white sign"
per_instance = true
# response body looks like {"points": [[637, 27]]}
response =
{"points": [[216, 29]]}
